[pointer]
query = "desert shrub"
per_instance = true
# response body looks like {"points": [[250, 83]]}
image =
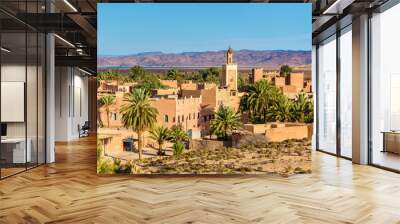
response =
{"points": [[244, 169], [248, 141], [178, 149], [288, 169], [117, 162], [117, 166], [131, 167], [105, 166]]}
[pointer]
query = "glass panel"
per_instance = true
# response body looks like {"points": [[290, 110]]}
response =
{"points": [[41, 98], [31, 98], [327, 96], [346, 93], [13, 80], [385, 84]]}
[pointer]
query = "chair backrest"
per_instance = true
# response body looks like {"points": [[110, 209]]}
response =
{"points": [[86, 125]]}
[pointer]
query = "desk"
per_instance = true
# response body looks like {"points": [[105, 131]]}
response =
{"points": [[391, 141], [13, 150]]}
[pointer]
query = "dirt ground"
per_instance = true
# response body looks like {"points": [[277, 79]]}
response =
{"points": [[285, 158]]}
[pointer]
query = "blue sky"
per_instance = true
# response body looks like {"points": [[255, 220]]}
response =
{"points": [[125, 29]]}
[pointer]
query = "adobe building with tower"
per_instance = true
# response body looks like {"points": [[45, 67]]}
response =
{"points": [[229, 74]]}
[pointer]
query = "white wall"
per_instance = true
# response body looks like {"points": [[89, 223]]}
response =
{"points": [[71, 102]]}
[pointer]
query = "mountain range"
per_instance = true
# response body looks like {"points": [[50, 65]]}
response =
{"points": [[244, 58]]}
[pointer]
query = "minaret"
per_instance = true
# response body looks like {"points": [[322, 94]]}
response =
{"points": [[228, 76], [229, 56]]}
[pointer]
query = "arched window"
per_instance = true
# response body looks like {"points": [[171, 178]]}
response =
{"points": [[166, 118]]}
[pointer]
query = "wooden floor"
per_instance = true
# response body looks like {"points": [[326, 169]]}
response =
{"points": [[69, 191]]}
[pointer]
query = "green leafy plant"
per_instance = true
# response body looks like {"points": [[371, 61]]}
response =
{"points": [[302, 108], [178, 149]]}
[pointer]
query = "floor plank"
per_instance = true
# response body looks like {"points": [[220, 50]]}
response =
{"points": [[69, 191]]}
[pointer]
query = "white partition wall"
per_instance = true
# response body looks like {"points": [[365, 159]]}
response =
{"points": [[71, 102]]}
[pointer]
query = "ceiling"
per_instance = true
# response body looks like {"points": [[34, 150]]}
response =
{"points": [[75, 21]]}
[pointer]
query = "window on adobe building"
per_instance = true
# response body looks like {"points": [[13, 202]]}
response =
{"points": [[198, 115], [209, 117], [173, 119], [205, 118], [183, 118], [179, 119], [190, 116], [166, 118], [114, 116]]}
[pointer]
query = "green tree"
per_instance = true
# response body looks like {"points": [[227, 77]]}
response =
{"points": [[107, 75], [150, 82], [106, 102], [137, 73], [161, 135], [244, 103], [138, 114], [243, 82], [285, 70], [210, 75], [225, 121], [174, 74], [178, 135]]}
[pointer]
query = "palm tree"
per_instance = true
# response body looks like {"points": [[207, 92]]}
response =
{"points": [[161, 135], [225, 121], [178, 135], [282, 109], [107, 101], [179, 148], [260, 98], [138, 114]]}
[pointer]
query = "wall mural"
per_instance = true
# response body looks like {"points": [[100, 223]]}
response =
{"points": [[204, 89]]}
